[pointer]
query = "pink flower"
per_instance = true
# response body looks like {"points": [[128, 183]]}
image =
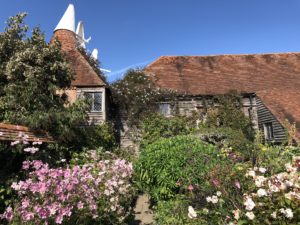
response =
{"points": [[25, 203], [37, 164], [216, 182], [178, 183], [237, 184], [8, 214], [28, 216], [59, 219], [80, 205], [26, 165], [190, 187]]}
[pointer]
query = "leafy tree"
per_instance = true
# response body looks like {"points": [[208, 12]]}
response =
{"points": [[31, 72]]}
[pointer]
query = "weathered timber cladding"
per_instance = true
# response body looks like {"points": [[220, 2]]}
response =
{"points": [[265, 116], [188, 105]]}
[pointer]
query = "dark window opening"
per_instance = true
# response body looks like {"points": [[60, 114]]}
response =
{"points": [[164, 109], [268, 131]]}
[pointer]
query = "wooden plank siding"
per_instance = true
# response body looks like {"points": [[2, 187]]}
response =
{"points": [[265, 116]]}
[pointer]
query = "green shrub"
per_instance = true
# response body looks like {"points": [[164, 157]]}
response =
{"points": [[172, 165], [173, 212], [158, 126], [227, 137], [229, 114]]}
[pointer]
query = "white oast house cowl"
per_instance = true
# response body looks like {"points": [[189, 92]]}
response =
{"points": [[67, 22]]}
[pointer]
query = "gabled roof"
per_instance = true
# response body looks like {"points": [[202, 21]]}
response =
{"points": [[85, 75], [273, 77]]}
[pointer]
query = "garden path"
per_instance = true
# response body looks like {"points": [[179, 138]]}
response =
{"points": [[142, 214]]}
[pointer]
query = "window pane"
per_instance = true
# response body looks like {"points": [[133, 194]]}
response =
{"points": [[97, 101], [164, 108], [89, 97], [268, 130]]}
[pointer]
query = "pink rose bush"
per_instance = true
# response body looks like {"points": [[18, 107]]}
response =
{"points": [[55, 195]]}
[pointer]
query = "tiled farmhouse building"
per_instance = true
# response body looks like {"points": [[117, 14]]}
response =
{"points": [[269, 84], [87, 81]]}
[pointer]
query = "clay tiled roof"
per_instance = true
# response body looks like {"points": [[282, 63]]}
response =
{"points": [[273, 77], [85, 75], [219, 74], [10, 132]]}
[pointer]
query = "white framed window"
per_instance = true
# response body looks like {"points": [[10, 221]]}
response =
{"points": [[268, 131], [94, 100], [164, 108]]}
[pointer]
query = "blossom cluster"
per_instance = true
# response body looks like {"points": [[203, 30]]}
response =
{"points": [[56, 194], [275, 189], [23, 139]]}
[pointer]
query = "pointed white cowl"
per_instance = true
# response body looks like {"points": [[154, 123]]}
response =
{"points": [[95, 53], [80, 34], [67, 22]]}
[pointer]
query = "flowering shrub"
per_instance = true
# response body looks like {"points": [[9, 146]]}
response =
{"points": [[276, 198], [136, 95], [51, 196]]}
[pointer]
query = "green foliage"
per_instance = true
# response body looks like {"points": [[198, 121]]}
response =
{"points": [[157, 126], [173, 212], [136, 95], [31, 72], [223, 137], [229, 114], [170, 165], [92, 137]]}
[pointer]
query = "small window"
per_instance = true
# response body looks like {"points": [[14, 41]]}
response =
{"points": [[268, 131], [95, 101], [164, 109]]}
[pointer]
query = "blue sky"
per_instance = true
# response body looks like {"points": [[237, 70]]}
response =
{"points": [[131, 33]]}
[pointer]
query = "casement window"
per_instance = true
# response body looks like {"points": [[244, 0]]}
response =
{"points": [[164, 108], [94, 100], [268, 131]]}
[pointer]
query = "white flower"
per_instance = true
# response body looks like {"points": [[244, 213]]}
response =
{"points": [[290, 168], [236, 214], [288, 183], [249, 204], [251, 173], [250, 215], [208, 199], [289, 213], [259, 180], [262, 170], [274, 215], [214, 199], [261, 192], [219, 193], [288, 195], [191, 212]]}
